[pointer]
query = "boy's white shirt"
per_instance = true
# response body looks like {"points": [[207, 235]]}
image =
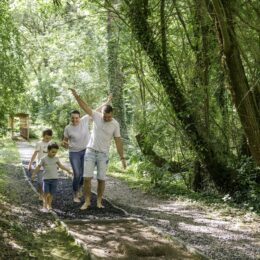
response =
{"points": [[42, 148]]}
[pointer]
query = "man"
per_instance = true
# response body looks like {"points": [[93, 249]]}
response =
{"points": [[76, 137], [105, 128]]}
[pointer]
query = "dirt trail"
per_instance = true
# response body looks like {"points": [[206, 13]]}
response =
{"points": [[108, 233], [218, 235]]}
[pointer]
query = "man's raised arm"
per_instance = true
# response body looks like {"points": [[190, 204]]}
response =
{"points": [[81, 103]]}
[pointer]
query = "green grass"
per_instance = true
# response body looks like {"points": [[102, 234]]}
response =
{"points": [[52, 244], [8, 151]]}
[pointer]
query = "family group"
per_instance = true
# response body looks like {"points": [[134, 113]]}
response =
{"points": [[87, 151]]}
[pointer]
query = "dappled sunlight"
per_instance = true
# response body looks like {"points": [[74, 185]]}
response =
{"points": [[14, 245], [212, 231], [126, 239]]}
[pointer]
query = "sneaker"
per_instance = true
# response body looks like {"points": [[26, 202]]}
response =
{"points": [[85, 206]]}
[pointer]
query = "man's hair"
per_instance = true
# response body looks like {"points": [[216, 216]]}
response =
{"points": [[107, 109], [47, 132], [53, 145], [75, 112]]}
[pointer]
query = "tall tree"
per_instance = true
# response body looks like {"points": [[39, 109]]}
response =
{"points": [[11, 64], [223, 177], [115, 76], [245, 97]]}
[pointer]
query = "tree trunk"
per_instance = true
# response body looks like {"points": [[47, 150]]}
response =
{"points": [[244, 96], [115, 78], [147, 150], [223, 177]]}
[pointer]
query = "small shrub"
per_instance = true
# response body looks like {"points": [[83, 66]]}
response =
{"points": [[249, 192]]}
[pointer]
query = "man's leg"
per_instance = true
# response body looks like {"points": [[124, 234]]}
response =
{"points": [[87, 192], [76, 167], [102, 163], [100, 192]]}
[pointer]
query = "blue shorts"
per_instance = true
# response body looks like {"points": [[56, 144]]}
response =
{"points": [[50, 186]]}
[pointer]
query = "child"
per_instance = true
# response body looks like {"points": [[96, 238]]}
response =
{"points": [[40, 151], [50, 164]]}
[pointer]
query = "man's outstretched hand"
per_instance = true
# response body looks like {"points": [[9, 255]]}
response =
{"points": [[109, 98], [73, 91]]}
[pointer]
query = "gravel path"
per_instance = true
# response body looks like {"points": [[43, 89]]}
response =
{"points": [[65, 208], [220, 235]]}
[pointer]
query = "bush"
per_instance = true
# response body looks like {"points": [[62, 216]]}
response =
{"points": [[248, 176], [33, 134]]}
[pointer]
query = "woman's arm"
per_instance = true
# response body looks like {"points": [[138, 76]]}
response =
{"points": [[36, 170], [32, 160]]}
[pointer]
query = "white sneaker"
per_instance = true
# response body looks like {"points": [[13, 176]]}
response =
{"points": [[44, 210]]}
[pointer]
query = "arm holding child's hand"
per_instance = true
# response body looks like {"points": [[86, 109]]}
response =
{"points": [[64, 168], [32, 160], [37, 169], [65, 143]]}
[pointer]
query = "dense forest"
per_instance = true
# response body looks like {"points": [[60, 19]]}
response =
{"points": [[184, 75]]}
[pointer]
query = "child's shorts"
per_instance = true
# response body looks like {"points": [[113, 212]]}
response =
{"points": [[50, 186]]}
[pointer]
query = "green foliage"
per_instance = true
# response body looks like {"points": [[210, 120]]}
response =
{"points": [[249, 179], [63, 47], [66, 46], [11, 65], [32, 238]]}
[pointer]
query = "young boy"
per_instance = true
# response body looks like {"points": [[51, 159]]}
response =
{"points": [[50, 164], [39, 152]]}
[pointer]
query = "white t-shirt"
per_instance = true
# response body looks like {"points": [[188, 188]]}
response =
{"points": [[78, 135], [103, 132], [50, 167], [42, 148]]}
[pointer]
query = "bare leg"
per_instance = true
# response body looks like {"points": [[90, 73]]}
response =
{"points": [[100, 192], [87, 191], [50, 198], [45, 200], [40, 191]]}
